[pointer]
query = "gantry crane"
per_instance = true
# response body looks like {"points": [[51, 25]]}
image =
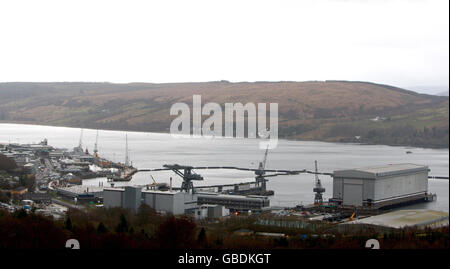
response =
{"points": [[188, 176], [260, 172], [318, 189]]}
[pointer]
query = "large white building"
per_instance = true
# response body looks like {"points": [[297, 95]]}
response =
{"points": [[174, 202], [380, 186], [177, 203], [127, 197]]}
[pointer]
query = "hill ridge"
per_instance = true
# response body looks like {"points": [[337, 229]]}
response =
{"points": [[331, 110]]}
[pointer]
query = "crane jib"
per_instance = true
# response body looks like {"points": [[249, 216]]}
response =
{"points": [[278, 172]]}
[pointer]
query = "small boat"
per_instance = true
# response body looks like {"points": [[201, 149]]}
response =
{"points": [[408, 152]]}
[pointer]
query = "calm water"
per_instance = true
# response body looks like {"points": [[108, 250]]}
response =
{"points": [[152, 150]]}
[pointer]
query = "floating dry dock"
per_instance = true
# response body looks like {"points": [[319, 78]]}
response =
{"points": [[381, 186]]}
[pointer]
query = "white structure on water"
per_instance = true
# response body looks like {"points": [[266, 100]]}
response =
{"points": [[380, 186]]}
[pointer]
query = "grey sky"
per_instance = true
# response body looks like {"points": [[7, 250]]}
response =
{"points": [[399, 42]]}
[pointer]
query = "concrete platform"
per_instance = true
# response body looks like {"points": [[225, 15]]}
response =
{"points": [[407, 218]]}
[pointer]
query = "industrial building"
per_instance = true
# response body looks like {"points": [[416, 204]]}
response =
{"points": [[380, 186], [174, 202], [81, 194], [132, 198], [38, 197], [127, 197], [234, 202], [210, 212], [113, 197]]}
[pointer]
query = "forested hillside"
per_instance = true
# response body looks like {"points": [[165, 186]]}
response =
{"points": [[337, 111]]}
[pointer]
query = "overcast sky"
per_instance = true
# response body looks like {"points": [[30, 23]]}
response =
{"points": [[398, 42]]}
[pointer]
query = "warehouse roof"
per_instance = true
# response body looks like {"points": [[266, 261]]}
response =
{"points": [[162, 192], [381, 170], [81, 189], [230, 197], [113, 189]]}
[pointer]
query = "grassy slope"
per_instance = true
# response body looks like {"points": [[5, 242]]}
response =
{"points": [[328, 111]]}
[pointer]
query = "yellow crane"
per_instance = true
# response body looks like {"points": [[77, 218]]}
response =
{"points": [[154, 181], [152, 185], [352, 216]]}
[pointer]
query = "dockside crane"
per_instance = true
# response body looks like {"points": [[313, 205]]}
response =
{"points": [[260, 172], [318, 189], [188, 176], [157, 186], [154, 181], [79, 148], [184, 171]]}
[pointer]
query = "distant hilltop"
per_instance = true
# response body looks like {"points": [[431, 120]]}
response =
{"points": [[334, 111]]}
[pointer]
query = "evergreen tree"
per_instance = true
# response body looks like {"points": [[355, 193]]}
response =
{"points": [[21, 213], [68, 224], [101, 228], [122, 227], [201, 239]]}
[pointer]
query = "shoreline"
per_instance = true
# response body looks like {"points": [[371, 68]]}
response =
{"points": [[286, 139]]}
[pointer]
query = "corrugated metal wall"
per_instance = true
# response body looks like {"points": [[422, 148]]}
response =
{"points": [[112, 198], [398, 186]]}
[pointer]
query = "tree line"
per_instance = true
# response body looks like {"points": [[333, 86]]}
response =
{"points": [[117, 228]]}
